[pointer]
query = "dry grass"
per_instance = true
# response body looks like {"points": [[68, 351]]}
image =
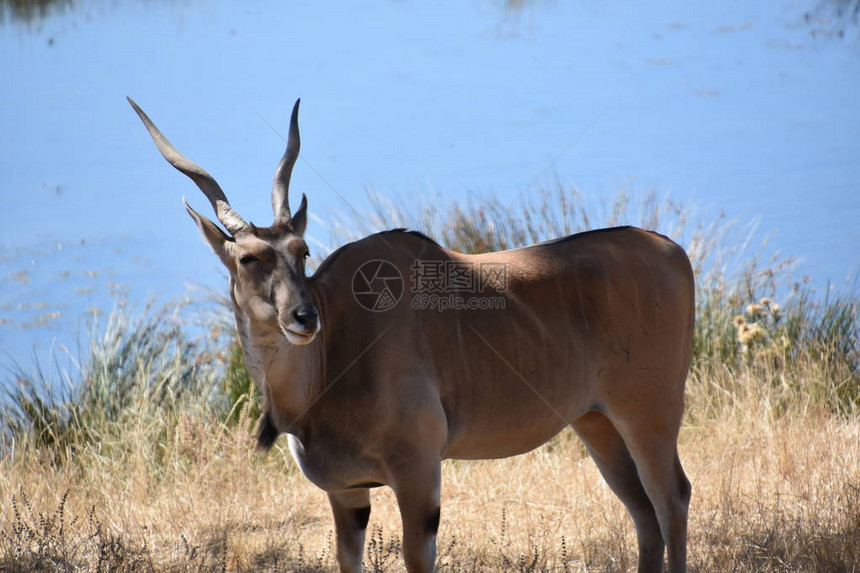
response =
{"points": [[143, 460], [771, 493]]}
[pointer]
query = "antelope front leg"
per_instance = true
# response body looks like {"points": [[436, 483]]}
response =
{"points": [[417, 494], [351, 511]]}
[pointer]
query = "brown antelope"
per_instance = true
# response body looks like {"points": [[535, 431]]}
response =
{"points": [[596, 333]]}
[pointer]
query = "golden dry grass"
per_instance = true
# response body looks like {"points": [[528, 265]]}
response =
{"points": [[770, 494], [147, 464]]}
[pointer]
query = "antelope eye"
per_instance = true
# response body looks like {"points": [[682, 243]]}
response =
{"points": [[307, 255], [248, 259]]}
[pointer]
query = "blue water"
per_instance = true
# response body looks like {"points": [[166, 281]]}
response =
{"points": [[744, 107]]}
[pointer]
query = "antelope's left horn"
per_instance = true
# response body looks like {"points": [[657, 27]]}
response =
{"points": [[281, 185], [228, 217]]}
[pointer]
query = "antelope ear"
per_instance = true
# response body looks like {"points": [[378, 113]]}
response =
{"points": [[217, 239], [300, 218]]}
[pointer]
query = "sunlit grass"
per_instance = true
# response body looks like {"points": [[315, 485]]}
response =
{"points": [[771, 495], [138, 454]]}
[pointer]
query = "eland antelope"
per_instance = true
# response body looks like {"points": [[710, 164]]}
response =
{"points": [[595, 333]]}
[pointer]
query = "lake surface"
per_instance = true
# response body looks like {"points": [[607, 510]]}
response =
{"points": [[749, 108]]}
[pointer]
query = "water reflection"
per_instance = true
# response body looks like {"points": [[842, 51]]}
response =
{"points": [[846, 8], [838, 13], [831, 17], [33, 12], [30, 11]]}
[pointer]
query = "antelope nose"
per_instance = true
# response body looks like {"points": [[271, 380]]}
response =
{"points": [[306, 315]]}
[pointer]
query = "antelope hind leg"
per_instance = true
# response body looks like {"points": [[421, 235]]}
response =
{"points": [[659, 468], [607, 449]]}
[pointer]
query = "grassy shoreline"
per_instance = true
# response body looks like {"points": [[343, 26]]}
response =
{"points": [[143, 460]]}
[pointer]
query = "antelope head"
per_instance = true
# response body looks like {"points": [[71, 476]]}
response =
{"points": [[266, 265]]}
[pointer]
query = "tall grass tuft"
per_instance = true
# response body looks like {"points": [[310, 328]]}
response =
{"points": [[141, 367], [239, 388]]}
